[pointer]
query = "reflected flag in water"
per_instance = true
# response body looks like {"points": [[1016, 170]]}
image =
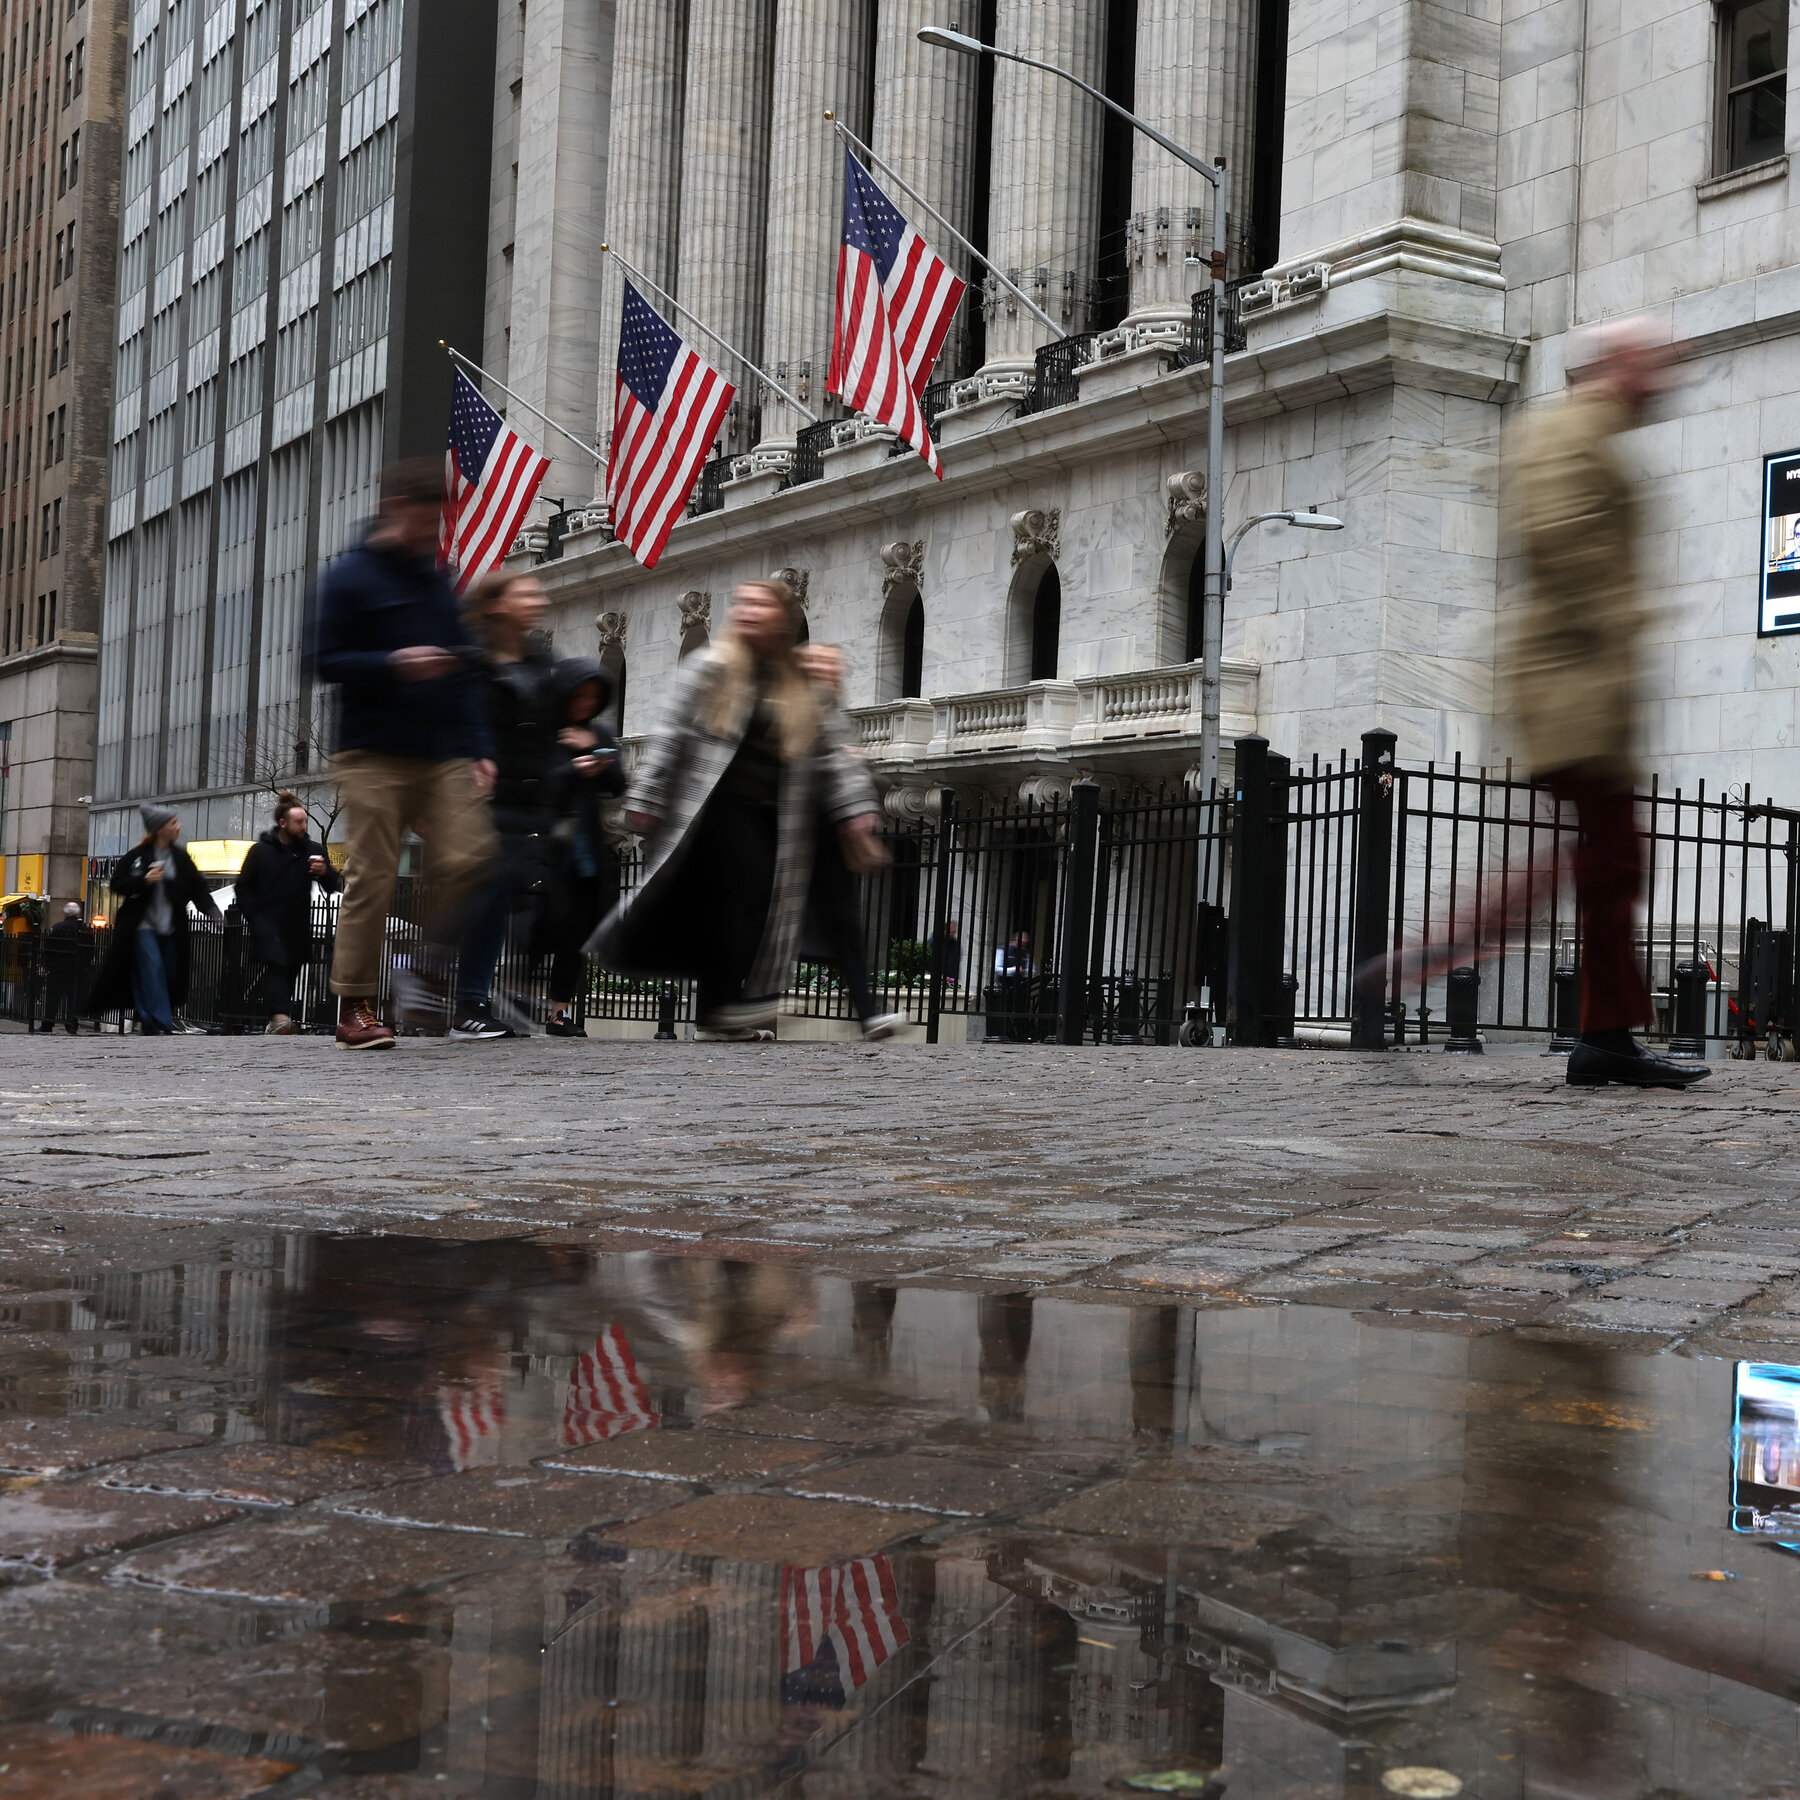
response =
{"points": [[838, 1626], [607, 1395], [472, 1419]]}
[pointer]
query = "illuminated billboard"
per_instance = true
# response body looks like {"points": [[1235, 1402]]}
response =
{"points": [[1765, 1450], [1781, 544]]}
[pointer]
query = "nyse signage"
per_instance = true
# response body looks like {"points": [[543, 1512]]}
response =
{"points": [[1781, 544]]}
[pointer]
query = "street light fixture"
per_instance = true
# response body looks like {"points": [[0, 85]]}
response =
{"points": [[1213, 611]]}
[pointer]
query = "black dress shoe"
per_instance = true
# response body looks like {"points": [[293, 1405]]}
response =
{"points": [[1590, 1066]]}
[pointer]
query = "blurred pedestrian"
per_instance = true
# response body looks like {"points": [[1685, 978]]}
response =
{"points": [[146, 966], [729, 795], [952, 952], [583, 884], [413, 745], [833, 904], [1014, 956], [67, 945], [275, 896], [504, 614], [1576, 678]]}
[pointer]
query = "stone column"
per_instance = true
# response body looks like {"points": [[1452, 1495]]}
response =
{"points": [[643, 164], [1044, 211], [924, 127], [725, 181], [822, 50], [556, 242], [1196, 82]]}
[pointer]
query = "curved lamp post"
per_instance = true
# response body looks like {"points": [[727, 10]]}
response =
{"points": [[1213, 619]]}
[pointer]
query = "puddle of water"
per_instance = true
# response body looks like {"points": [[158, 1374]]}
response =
{"points": [[648, 1524]]}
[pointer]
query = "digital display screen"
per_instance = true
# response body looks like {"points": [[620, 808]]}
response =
{"points": [[1781, 544], [1765, 1450]]}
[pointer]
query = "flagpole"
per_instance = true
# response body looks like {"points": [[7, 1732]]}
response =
{"points": [[669, 300], [457, 356], [919, 199]]}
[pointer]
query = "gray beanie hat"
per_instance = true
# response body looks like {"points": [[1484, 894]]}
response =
{"points": [[155, 817]]}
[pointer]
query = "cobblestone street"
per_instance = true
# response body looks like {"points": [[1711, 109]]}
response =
{"points": [[559, 1420]]}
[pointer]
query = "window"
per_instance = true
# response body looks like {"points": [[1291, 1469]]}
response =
{"points": [[69, 266], [55, 343], [44, 535], [49, 438], [62, 169], [68, 76], [55, 534], [68, 335], [75, 159], [56, 267], [1046, 626], [62, 432], [1752, 113]]}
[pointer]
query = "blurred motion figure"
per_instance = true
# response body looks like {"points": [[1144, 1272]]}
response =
{"points": [[1576, 680]]}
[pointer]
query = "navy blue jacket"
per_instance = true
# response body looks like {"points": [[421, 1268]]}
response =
{"points": [[371, 602]]}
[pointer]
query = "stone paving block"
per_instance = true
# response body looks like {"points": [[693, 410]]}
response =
{"points": [[710, 1458], [1627, 1315], [773, 1528], [1180, 1514], [1672, 1289], [262, 1474], [322, 1562], [49, 1527], [63, 1446], [828, 1418], [517, 1503], [938, 1484], [42, 1763], [330, 1690]]}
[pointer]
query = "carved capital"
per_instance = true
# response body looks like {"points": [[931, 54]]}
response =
{"points": [[1187, 499], [1046, 790], [902, 564], [1036, 534], [798, 580], [611, 627], [696, 611]]}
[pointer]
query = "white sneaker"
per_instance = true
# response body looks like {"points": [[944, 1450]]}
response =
{"points": [[882, 1027]]}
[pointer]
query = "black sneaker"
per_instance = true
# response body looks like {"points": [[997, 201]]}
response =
{"points": [[476, 1026], [563, 1025]]}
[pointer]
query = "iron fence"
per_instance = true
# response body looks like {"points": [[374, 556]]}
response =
{"points": [[1198, 348], [709, 494], [810, 444], [1056, 383], [931, 407]]}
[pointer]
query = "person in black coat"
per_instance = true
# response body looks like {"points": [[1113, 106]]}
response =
{"points": [[583, 877], [146, 966], [274, 896], [67, 947], [503, 615]]}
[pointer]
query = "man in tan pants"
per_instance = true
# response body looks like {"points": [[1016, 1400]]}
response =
{"points": [[413, 746]]}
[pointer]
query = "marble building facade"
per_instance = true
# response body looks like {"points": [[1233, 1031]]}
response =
{"points": [[1427, 200]]}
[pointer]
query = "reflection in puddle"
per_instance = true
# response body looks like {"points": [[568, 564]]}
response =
{"points": [[659, 1525]]}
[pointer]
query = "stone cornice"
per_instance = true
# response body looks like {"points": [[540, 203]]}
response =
{"points": [[41, 655], [1358, 355]]}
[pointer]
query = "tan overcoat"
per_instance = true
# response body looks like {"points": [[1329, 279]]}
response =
{"points": [[1575, 673]]}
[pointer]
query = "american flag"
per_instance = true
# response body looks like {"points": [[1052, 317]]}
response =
{"points": [[606, 1395], [838, 1626], [895, 301], [491, 477], [668, 406], [472, 1417]]}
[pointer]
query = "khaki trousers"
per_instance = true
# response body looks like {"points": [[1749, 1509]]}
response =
{"points": [[383, 796]]}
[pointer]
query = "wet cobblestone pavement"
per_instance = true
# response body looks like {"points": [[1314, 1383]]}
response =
{"points": [[544, 1420]]}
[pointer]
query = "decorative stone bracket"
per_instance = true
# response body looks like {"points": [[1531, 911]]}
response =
{"points": [[696, 612], [797, 581], [611, 629], [1036, 534], [1187, 499], [903, 565]]}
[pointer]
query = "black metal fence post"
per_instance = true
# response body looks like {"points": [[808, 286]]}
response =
{"points": [[665, 1014], [1078, 908], [1565, 983], [940, 911], [1462, 1009], [1254, 970], [1374, 857], [1691, 979]]}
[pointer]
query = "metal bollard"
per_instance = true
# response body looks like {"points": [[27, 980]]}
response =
{"points": [[1565, 983], [665, 1014], [1691, 979], [1462, 999], [1128, 1024], [1285, 1007]]}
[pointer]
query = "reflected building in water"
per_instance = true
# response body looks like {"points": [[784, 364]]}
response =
{"points": [[1298, 1544]]}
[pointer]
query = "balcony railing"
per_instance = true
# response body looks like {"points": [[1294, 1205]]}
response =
{"points": [[1198, 348], [1056, 384], [1092, 711], [708, 494], [810, 444]]}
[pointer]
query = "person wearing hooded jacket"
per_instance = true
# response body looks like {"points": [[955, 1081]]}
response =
{"points": [[582, 883], [504, 613], [274, 895], [146, 966]]}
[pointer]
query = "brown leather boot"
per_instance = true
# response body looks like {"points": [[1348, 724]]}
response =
{"points": [[359, 1025]]}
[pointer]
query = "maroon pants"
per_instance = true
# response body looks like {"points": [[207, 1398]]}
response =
{"points": [[1609, 872]]}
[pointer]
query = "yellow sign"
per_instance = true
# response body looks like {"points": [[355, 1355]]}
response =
{"points": [[219, 856]]}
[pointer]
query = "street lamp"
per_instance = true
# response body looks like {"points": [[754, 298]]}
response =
{"points": [[1213, 610]]}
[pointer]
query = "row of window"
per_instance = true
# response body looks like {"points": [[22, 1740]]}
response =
{"points": [[18, 620]]}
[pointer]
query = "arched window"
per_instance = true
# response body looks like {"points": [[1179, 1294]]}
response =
{"points": [[802, 627], [1195, 640], [912, 652], [613, 662], [694, 638], [900, 649], [1046, 626]]}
